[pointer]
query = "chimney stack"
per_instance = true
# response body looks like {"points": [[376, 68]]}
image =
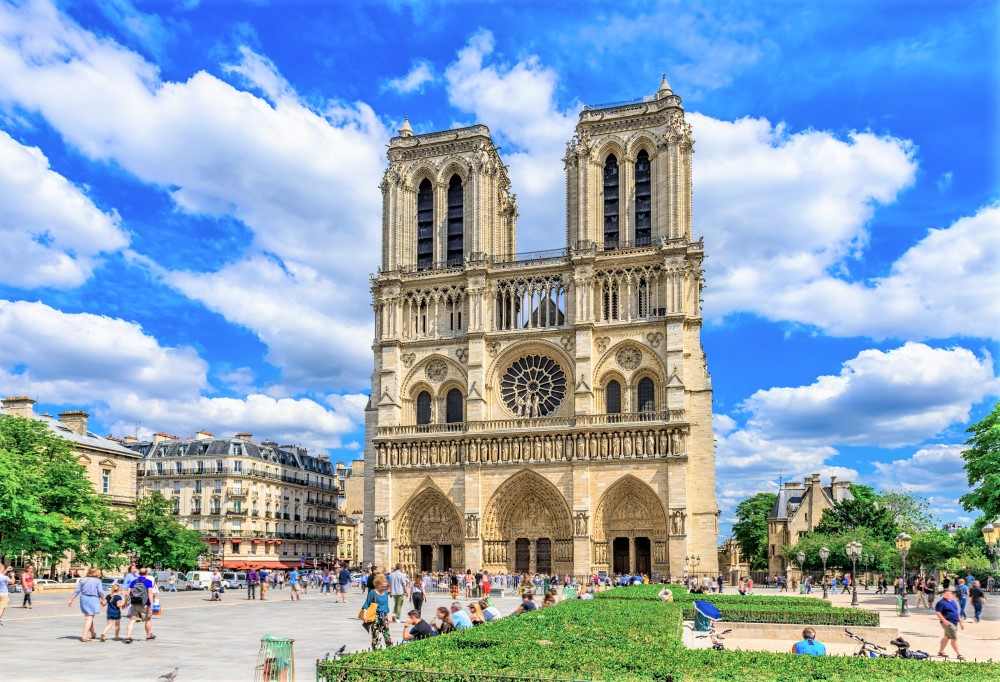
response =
{"points": [[160, 437], [76, 420], [19, 406], [243, 436], [203, 435], [130, 440]]}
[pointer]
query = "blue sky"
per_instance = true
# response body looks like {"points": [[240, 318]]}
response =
{"points": [[191, 207]]}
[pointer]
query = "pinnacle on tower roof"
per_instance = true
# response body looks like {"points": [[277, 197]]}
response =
{"points": [[405, 130], [664, 88]]}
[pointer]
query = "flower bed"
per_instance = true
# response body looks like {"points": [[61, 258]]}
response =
{"points": [[614, 641]]}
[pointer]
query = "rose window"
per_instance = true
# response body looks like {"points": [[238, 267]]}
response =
{"points": [[534, 386]]}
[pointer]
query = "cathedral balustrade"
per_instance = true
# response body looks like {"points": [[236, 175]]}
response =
{"points": [[519, 423], [625, 442]]}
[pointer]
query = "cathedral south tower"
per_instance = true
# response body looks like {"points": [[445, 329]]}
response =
{"points": [[549, 411]]}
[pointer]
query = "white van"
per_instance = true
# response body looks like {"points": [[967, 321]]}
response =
{"points": [[234, 580], [194, 580]]}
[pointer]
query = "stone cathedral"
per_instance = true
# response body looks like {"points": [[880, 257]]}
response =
{"points": [[546, 411]]}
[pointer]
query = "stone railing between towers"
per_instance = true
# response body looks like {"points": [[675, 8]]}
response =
{"points": [[624, 442]]}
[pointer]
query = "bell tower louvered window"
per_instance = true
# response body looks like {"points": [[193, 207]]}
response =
{"points": [[643, 200], [456, 210], [424, 408], [611, 205], [425, 225]]}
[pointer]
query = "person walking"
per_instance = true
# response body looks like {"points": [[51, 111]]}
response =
{"points": [[343, 583], [293, 585], [172, 582], [141, 602], [27, 586], [453, 584], [253, 580], [216, 586], [114, 613], [91, 593], [376, 616], [947, 613], [978, 597], [5, 581], [417, 593], [962, 592], [398, 583]]}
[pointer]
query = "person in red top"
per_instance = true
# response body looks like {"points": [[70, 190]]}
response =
{"points": [[486, 585], [28, 586]]}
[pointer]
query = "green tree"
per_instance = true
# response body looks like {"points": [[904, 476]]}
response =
{"points": [[974, 562], [982, 465], [931, 549], [886, 558], [48, 506], [154, 538], [912, 513], [864, 510], [750, 529]]}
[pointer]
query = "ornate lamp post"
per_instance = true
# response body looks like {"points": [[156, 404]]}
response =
{"points": [[801, 556], [824, 554], [991, 534], [854, 551], [903, 545]]}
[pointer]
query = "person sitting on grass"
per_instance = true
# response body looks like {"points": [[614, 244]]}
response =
{"points": [[808, 646], [490, 612], [459, 618], [548, 601], [527, 604], [416, 628]]}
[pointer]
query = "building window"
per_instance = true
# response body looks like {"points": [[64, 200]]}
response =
{"points": [[425, 225], [424, 408], [197, 486], [159, 468], [201, 467], [455, 314], [236, 548], [237, 506], [237, 487], [218, 466], [196, 524], [106, 481], [237, 449], [455, 216], [610, 300], [613, 398], [643, 200], [253, 548], [646, 395], [177, 505], [237, 526], [611, 207], [238, 464], [453, 408], [178, 467], [177, 486], [642, 298], [218, 485]]}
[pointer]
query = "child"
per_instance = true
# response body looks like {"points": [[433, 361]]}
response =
{"points": [[114, 613]]}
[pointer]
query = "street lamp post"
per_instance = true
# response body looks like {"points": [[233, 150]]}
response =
{"points": [[854, 551], [991, 534], [903, 545], [824, 554], [801, 556]]}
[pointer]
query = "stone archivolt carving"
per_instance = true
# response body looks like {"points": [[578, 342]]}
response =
{"points": [[436, 370], [619, 444], [630, 508], [429, 519], [526, 505], [629, 358]]}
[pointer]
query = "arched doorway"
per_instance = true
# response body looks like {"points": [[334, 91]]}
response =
{"points": [[428, 533], [631, 524], [527, 527]]}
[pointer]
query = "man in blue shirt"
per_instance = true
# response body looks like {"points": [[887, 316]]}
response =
{"points": [[293, 583], [808, 646], [459, 618], [962, 592], [343, 582], [947, 613]]}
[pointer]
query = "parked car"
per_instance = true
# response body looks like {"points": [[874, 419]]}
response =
{"points": [[234, 580]]}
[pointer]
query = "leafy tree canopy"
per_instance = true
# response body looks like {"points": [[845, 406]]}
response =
{"points": [[912, 513], [865, 510], [47, 504], [931, 549], [882, 553], [155, 538], [982, 465], [750, 529]]}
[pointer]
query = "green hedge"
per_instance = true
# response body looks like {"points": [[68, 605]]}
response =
{"points": [[792, 614], [614, 641], [682, 596]]}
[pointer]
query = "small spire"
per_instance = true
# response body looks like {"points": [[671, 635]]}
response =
{"points": [[664, 88], [405, 130]]}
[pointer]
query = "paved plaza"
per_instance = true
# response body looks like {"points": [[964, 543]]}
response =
{"points": [[214, 642], [218, 642]]}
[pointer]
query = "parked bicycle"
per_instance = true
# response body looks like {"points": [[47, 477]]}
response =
{"points": [[867, 649]]}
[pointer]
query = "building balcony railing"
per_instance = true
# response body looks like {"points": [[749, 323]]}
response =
{"points": [[236, 512], [533, 423], [119, 500], [230, 473]]}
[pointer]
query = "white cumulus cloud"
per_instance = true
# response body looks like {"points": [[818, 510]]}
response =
{"points": [[419, 75], [933, 469], [51, 233]]}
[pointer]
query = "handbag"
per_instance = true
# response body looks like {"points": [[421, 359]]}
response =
{"points": [[368, 615]]}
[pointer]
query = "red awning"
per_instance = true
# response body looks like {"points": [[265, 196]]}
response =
{"points": [[213, 541]]}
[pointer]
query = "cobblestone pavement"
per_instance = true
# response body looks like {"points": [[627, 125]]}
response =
{"points": [[215, 642]]}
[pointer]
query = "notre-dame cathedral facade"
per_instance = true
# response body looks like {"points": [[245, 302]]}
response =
{"points": [[546, 411]]}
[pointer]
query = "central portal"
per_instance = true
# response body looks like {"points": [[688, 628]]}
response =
{"points": [[620, 553], [426, 558], [522, 555]]}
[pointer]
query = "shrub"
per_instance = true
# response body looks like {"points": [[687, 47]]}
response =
{"points": [[791, 614]]}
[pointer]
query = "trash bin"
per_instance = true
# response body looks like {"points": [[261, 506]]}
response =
{"points": [[276, 660]]}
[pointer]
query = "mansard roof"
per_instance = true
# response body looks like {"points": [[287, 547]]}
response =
{"points": [[266, 451]]}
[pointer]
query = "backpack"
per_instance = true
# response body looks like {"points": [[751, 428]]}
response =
{"points": [[140, 593]]}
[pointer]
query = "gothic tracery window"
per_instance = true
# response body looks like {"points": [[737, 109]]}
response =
{"points": [[456, 211], [425, 225], [613, 398], [611, 204], [533, 386], [646, 395], [643, 199], [423, 408]]}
